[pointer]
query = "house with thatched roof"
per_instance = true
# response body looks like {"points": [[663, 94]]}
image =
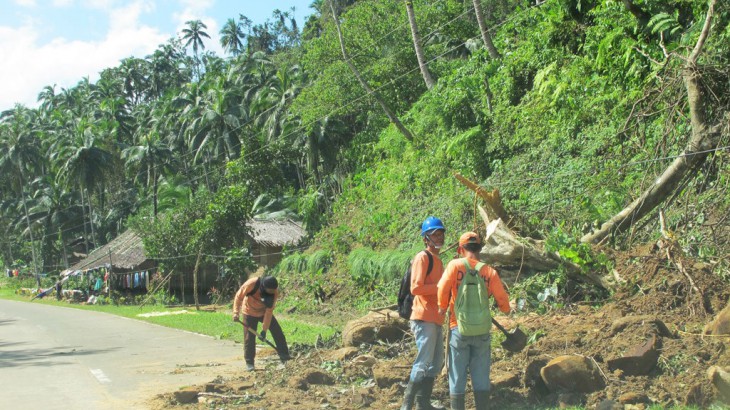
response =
{"points": [[125, 255], [269, 237]]}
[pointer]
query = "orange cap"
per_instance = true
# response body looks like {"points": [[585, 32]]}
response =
{"points": [[469, 237]]}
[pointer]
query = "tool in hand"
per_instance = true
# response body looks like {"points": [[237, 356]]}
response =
{"points": [[253, 332], [516, 339]]}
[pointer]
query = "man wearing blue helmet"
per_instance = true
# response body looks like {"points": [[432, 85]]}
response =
{"points": [[426, 321]]}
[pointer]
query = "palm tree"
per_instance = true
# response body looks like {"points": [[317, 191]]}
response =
{"points": [[217, 126], [232, 37], [83, 162], [193, 35], [151, 157], [486, 37], [417, 45], [19, 153]]}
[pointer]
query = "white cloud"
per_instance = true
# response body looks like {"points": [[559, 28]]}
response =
{"points": [[25, 3], [29, 65]]}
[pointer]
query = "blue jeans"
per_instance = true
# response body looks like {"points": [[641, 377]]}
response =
{"points": [[473, 353], [430, 345]]}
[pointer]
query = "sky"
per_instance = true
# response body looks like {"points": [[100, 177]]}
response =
{"points": [[59, 42]]}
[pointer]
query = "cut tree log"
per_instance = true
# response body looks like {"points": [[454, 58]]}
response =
{"points": [[503, 248]]}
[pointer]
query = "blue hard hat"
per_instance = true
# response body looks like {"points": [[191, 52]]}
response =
{"points": [[431, 224]]}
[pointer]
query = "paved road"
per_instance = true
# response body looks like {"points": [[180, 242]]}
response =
{"points": [[62, 358]]}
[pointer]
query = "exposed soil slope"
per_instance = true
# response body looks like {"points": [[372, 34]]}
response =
{"points": [[654, 288]]}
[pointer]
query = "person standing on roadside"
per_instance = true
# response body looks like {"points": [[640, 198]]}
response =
{"points": [[426, 320], [469, 353], [256, 299]]}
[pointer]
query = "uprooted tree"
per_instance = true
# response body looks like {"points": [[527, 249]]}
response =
{"points": [[706, 131]]}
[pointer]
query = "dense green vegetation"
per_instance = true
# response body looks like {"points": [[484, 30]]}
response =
{"points": [[583, 105]]}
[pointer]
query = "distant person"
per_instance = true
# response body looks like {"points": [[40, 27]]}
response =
{"points": [[256, 300], [470, 352], [426, 321], [59, 289]]}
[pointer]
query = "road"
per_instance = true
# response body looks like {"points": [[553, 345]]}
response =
{"points": [[63, 358]]}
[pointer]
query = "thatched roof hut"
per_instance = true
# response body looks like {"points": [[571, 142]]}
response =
{"points": [[125, 252], [269, 238]]}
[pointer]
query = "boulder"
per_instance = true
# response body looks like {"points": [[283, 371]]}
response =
{"points": [[344, 353], [721, 324], [186, 396], [639, 360], [660, 328], [572, 374], [385, 326], [720, 379]]}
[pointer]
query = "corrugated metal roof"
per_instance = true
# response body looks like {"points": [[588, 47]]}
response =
{"points": [[276, 233]]}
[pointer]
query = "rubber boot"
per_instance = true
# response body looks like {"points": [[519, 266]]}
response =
{"points": [[410, 394], [423, 397], [481, 400], [457, 402]]}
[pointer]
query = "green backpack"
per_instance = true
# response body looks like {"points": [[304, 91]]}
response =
{"points": [[472, 303]]}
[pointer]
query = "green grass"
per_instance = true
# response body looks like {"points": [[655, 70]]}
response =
{"points": [[217, 324]]}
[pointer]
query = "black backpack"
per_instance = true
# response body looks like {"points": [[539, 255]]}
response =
{"points": [[405, 297]]}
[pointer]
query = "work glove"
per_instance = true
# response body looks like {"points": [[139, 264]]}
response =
{"points": [[262, 336]]}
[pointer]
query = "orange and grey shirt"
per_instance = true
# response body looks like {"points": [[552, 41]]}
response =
{"points": [[253, 305], [448, 286], [423, 288]]}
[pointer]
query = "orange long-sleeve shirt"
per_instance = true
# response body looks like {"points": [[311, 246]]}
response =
{"points": [[423, 288], [449, 285], [253, 305]]}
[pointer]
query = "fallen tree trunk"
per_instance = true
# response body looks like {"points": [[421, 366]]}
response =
{"points": [[503, 248], [704, 138]]}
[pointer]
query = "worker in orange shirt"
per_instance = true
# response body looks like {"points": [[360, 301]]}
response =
{"points": [[426, 321], [470, 352], [256, 299]]}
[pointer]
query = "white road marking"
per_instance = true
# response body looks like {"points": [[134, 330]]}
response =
{"points": [[100, 376]]}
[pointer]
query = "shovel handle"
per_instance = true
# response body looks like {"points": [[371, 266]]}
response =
{"points": [[257, 336], [500, 327]]}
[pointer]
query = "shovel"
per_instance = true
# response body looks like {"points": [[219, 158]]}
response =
{"points": [[516, 339], [264, 340]]}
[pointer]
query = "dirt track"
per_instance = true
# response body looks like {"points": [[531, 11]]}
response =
{"points": [[654, 286]]}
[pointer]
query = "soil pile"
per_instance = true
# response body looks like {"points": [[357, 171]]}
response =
{"points": [[658, 313]]}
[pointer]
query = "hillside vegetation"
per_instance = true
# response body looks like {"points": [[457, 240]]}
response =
{"points": [[573, 111]]}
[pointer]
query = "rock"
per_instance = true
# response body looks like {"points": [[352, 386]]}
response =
{"points": [[639, 360], [661, 329], [505, 380], [383, 325], [721, 324], [365, 361], [363, 397], [572, 374], [385, 376], [214, 388], [319, 377], [186, 396], [720, 379], [633, 398], [344, 353], [532, 379], [609, 405], [238, 387], [299, 383]]}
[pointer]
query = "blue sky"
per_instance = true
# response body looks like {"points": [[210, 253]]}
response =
{"points": [[47, 42]]}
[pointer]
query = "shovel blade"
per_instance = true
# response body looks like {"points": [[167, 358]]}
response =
{"points": [[516, 340]]}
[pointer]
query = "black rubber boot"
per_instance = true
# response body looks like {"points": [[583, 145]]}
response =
{"points": [[481, 400], [423, 397], [410, 394], [457, 402]]}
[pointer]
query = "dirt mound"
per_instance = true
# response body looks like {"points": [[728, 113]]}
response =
{"points": [[657, 314]]}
